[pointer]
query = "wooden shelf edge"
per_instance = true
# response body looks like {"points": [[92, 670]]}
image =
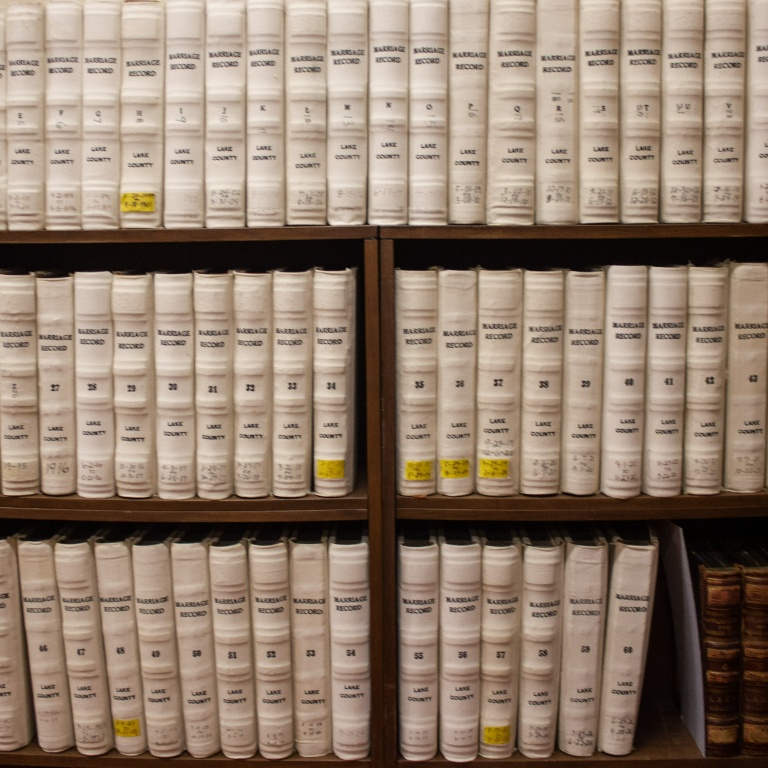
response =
{"points": [[573, 232]]}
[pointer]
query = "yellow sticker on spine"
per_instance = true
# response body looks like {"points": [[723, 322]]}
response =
{"points": [[418, 470], [493, 468], [127, 728], [496, 734], [454, 469], [330, 469], [137, 202]]}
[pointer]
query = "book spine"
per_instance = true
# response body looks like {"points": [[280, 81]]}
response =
{"points": [[756, 114], [583, 344], [63, 114], [640, 118], [388, 31], [214, 344], [253, 383], [174, 335], [184, 124], [265, 94], [511, 112], [292, 384], [141, 114], [599, 151], [133, 385], [56, 383], [333, 376], [542, 382], [428, 113], [19, 421], [347, 148], [3, 127], [102, 72], [225, 120], [456, 382], [682, 111], [499, 360]]}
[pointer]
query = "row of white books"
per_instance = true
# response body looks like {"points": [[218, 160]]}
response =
{"points": [[626, 380], [176, 384], [207, 642], [232, 113], [523, 640]]}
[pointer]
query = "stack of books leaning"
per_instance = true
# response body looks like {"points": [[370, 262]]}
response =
{"points": [[178, 384], [529, 639], [234, 113], [624, 380], [207, 641]]}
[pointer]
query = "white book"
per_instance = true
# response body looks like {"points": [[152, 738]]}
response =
{"points": [[292, 383], [428, 112], [705, 358], [94, 342], [334, 307], [456, 381], [16, 714], [582, 381], [499, 365], [3, 128], [725, 59], [747, 366], [225, 119], [310, 642], [349, 597], [252, 361], [231, 610], [756, 115], [540, 643], [467, 110], [665, 381], [102, 74], [63, 113], [511, 112], [459, 643], [640, 113], [156, 628], [599, 149], [626, 301], [193, 606], [134, 390], [388, 27], [184, 121], [142, 114], [45, 642], [416, 380], [542, 381], [634, 561], [347, 83], [55, 301], [418, 596], [585, 583], [265, 94], [305, 111], [25, 122], [214, 349], [174, 336], [83, 645], [556, 153], [19, 422], [114, 574], [502, 583], [268, 568], [682, 110]]}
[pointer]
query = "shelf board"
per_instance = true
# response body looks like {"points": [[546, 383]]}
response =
{"points": [[202, 235], [563, 507], [574, 232]]}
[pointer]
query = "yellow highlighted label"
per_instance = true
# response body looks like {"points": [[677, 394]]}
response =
{"points": [[498, 734], [137, 202], [418, 470], [127, 728], [454, 469], [330, 469], [490, 468]]}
